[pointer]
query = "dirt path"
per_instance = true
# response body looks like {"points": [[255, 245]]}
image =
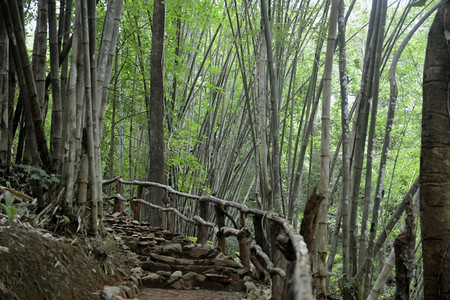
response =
{"points": [[157, 294]]}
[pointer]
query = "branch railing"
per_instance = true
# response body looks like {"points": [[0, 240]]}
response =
{"points": [[286, 261]]}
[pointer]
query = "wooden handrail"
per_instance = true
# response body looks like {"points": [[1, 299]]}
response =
{"points": [[296, 278]]}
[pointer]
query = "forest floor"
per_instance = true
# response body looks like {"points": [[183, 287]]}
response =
{"points": [[131, 260], [40, 264]]}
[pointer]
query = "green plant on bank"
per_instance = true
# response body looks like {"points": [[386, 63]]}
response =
{"points": [[8, 205], [193, 239], [64, 217], [32, 173]]}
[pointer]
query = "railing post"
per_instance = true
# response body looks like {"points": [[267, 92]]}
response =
{"points": [[220, 221], [279, 261], [244, 240], [170, 215], [260, 237], [135, 206], [117, 203], [202, 231]]}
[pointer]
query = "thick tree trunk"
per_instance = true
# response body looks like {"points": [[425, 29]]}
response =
{"points": [[435, 159], [156, 111]]}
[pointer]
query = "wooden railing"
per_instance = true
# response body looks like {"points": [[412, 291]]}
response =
{"points": [[286, 261]]}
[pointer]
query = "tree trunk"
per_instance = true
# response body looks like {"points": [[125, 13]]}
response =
{"points": [[322, 230], [91, 124], [156, 111], [379, 194], [345, 124], [16, 33], [435, 159], [5, 137], [39, 55], [404, 255], [275, 114], [57, 121]]}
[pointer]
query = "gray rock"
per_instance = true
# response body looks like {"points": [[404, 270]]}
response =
{"points": [[250, 286], [135, 280], [172, 249], [178, 285], [198, 252], [164, 273], [111, 293], [137, 272], [237, 286], [152, 280], [174, 277], [192, 279], [129, 292]]}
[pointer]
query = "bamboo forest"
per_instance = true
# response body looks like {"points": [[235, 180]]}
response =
{"points": [[235, 149]]}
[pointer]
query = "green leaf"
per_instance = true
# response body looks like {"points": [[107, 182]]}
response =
{"points": [[9, 198]]}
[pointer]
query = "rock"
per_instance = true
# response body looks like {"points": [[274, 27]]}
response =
{"points": [[192, 279], [214, 252], [242, 271], [198, 252], [147, 243], [188, 246], [129, 292], [227, 262], [250, 286], [111, 293], [168, 235], [135, 280], [152, 280], [178, 285], [219, 278], [172, 249], [237, 286], [163, 258], [156, 266], [174, 277], [255, 295], [137, 272], [164, 273]]}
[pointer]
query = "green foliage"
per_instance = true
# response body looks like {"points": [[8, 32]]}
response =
{"points": [[192, 174], [29, 173], [63, 217], [8, 205], [193, 239]]}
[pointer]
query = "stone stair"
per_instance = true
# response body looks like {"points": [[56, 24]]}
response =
{"points": [[169, 260]]}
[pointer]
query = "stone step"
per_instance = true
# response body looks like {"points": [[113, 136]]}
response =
{"points": [[171, 261]]}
